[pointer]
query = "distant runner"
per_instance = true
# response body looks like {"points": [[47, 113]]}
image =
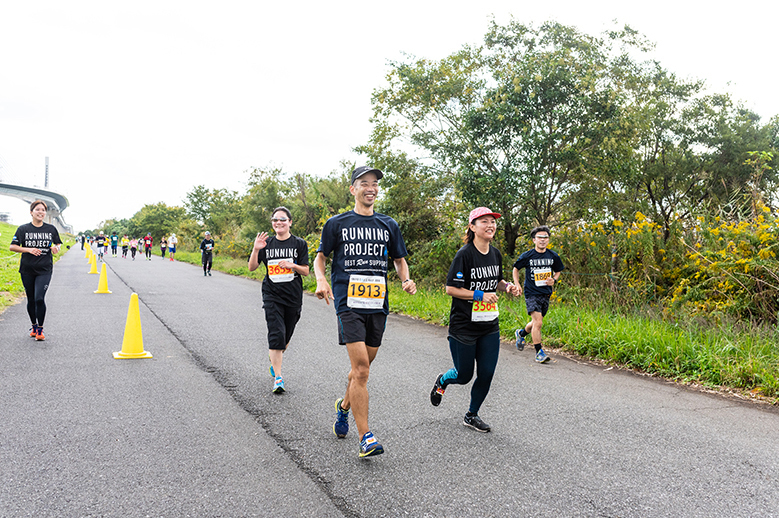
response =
{"points": [[207, 253], [125, 246], [172, 242], [147, 244]]}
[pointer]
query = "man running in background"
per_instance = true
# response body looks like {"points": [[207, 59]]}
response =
{"points": [[206, 253]]}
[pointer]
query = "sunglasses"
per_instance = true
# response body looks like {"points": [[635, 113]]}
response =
{"points": [[276, 220]]}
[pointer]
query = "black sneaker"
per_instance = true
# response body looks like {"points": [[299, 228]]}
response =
{"points": [[475, 422], [437, 392]]}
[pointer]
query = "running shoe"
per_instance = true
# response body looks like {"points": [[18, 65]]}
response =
{"points": [[204, 274], [39, 336], [278, 385], [341, 425], [369, 446], [474, 421], [541, 356], [209, 273], [520, 340], [34, 331], [438, 391]]}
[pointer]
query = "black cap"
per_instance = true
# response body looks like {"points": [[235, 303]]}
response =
{"points": [[363, 169]]}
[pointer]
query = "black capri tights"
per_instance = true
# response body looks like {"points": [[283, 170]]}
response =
{"points": [[35, 287]]}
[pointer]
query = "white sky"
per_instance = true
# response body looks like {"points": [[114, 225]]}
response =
{"points": [[138, 102]]}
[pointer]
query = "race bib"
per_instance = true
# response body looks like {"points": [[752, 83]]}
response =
{"points": [[540, 275], [366, 292], [483, 312], [279, 274]]}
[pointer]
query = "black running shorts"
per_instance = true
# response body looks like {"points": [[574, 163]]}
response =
{"points": [[359, 327], [281, 321], [537, 304]]}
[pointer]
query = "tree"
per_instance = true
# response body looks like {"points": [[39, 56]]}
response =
{"points": [[514, 122], [157, 219], [218, 210]]}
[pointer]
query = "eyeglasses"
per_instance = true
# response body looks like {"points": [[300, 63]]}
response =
{"points": [[276, 220], [542, 237]]}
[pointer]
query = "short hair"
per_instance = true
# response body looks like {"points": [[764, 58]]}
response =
{"points": [[542, 228], [285, 210], [36, 203]]}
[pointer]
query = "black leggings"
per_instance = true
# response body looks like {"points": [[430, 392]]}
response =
{"points": [[148, 252], [35, 287], [207, 261], [485, 355]]}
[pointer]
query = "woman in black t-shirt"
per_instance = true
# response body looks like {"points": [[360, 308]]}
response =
{"points": [[474, 279], [286, 261], [36, 241]]}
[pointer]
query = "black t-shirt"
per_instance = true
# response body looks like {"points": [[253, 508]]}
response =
{"points": [[472, 270], [539, 267], [207, 246], [281, 285], [43, 237], [362, 247], [100, 240]]}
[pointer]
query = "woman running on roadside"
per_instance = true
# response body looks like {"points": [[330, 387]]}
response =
{"points": [[286, 261], [37, 242], [474, 279], [133, 247]]}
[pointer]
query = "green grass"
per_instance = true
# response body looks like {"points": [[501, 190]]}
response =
{"points": [[11, 289], [747, 361]]}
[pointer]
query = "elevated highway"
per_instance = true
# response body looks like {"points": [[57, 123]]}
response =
{"points": [[55, 201]]}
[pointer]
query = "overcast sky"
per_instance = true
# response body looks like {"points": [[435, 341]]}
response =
{"points": [[138, 102]]}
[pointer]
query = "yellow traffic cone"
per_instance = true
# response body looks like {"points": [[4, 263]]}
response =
{"points": [[132, 345], [89, 254], [93, 264], [102, 284], [86, 251]]}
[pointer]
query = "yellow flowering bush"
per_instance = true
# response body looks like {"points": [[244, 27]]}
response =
{"points": [[711, 268]]}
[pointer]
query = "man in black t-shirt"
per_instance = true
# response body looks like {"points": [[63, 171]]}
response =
{"points": [[543, 268], [207, 253], [362, 243]]}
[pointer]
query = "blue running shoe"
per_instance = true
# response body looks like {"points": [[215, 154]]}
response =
{"points": [[341, 425], [278, 385], [541, 356], [369, 446], [520, 340]]}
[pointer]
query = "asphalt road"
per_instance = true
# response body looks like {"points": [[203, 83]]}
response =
{"points": [[196, 431]]}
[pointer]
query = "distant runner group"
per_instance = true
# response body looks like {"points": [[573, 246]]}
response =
{"points": [[134, 245], [362, 243]]}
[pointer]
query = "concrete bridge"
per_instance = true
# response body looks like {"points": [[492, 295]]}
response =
{"points": [[56, 202]]}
